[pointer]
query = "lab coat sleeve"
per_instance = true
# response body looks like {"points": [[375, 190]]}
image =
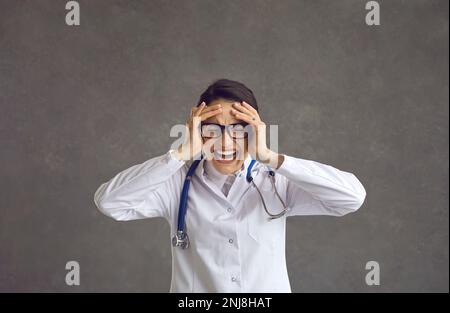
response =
{"points": [[314, 188], [150, 189]]}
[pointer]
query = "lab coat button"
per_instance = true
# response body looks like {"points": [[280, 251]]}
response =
{"points": [[229, 210], [230, 240]]}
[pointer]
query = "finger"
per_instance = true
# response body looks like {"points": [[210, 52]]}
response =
{"points": [[249, 107], [245, 118], [198, 109], [253, 118], [212, 107], [241, 108], [206, 115]]}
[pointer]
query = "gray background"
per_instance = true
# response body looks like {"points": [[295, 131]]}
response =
{"points": [[79, 104]]}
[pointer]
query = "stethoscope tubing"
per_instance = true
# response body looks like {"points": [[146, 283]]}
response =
{"points": [[181, 238]]}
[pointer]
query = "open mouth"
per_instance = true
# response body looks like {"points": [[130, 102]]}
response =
{"points": [[225, 156]]}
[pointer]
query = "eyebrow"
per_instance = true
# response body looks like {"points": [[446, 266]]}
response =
{"points": [[207, 123]]}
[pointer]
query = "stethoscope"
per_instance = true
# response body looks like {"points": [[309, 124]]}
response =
{"points": [[181, 238]]}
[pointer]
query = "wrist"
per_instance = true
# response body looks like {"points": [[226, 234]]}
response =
{"points": [[180, 154], [272, 159]]}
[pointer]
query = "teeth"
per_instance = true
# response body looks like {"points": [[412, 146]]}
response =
{"points": [[226, 152], [224, 155]]}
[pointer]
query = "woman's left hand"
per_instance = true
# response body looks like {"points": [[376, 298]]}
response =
{"points": [[257, 144]]}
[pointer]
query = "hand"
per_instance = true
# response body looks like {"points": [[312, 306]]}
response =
{"points": [[192, 145], [257, 144]]}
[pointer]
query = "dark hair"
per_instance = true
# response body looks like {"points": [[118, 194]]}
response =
{"points": [[230, 90]]}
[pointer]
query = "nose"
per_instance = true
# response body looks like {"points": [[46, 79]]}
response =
{"points": [[227, 141]]}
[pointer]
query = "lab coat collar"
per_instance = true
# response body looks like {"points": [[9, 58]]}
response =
{"points": [[200, 170], [233, 197]]}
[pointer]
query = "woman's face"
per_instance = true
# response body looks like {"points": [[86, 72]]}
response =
{"points": [[228, 154]]}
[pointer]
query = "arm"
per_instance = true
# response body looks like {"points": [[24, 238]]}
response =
{"points": [[312, 188], [150, 189], [153, 188], [318, 189]]}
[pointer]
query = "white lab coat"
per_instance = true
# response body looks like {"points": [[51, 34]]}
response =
{"points": [[234, 247]]}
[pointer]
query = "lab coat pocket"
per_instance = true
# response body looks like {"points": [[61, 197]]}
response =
{"points": [[264, 235]]}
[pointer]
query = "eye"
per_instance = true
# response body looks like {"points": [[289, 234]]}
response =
{"points": [[237, 131], [211, 131]]}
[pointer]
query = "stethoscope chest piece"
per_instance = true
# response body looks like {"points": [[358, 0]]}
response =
{"points": [[181, 239]]}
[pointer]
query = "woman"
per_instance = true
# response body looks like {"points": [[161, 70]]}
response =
{"points": [[236, 207]]}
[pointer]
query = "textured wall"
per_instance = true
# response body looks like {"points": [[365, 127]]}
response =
{"points": [[79, 104]]}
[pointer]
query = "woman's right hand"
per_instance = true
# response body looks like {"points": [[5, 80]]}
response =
{"points": [[192, 145]]}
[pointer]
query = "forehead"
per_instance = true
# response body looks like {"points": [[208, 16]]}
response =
{"points": [[225, 117]]}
